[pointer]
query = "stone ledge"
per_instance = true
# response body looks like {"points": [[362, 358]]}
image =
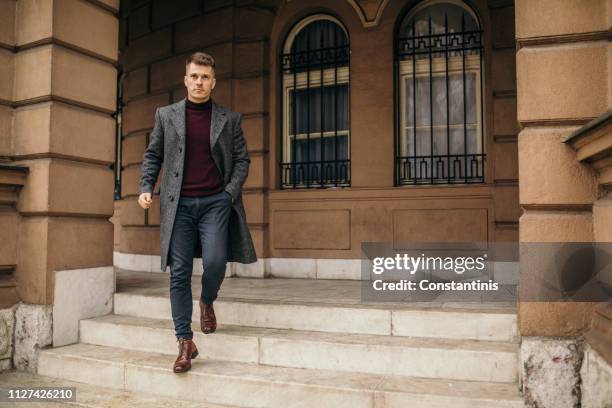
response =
{"points": [[593, 145], [13, 175]]}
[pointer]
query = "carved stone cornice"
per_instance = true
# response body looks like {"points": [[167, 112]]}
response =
{"points": [[12, 178], [593, 145]]}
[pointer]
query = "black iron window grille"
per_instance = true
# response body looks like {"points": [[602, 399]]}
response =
{"points": [[316, 132], [439, 57]]}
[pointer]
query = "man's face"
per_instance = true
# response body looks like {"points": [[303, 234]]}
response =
{"points": [[199, 81]]}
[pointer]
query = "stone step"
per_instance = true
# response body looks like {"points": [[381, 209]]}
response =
{"points": [[339, 317], [92, 396], [390, 355], [254, 385]]}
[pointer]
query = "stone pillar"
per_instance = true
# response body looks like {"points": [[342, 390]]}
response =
{"points": [[562, 83], [60, 58], [593, 145], [504, 129]]}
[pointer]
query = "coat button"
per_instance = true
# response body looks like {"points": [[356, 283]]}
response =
{"points": [[176, 174], [171, 198], [180, 150]]}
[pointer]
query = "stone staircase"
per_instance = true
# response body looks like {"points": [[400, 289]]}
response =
{"points": [[299, 343]]}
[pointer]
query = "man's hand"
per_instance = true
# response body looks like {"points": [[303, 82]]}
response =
{"points": [[145, 200]]}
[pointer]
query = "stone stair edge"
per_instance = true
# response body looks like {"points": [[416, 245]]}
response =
{"points": [[391, 307], [336, 337], [95, 396], [138, 359]]}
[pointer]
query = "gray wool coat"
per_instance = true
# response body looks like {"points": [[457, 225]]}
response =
{"points": [[229, 152]]}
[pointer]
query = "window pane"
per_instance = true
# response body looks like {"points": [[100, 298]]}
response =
{"points": [[455, 105], [440, 142], [437, 13], [319, 34], [457, 139], [318, 171], [422, 97], [423, 142], [314, 147], [333, 118], [456, 98]]}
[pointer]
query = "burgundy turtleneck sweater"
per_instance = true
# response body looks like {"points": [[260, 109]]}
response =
{"points": [[200, 174]]}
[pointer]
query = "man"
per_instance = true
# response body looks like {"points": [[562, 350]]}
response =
{"points": [[205, 165]]}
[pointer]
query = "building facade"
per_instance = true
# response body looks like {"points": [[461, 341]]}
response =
{"points": [[366, 121]]}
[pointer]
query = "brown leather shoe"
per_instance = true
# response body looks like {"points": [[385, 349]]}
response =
{"points": [[187, 351], [208, 320]]}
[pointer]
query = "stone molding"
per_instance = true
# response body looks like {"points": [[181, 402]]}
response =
{"points": [[562, 39], [367, 17], [593, 145]]}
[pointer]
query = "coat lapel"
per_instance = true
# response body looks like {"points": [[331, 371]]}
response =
{"points": [[217, 121], [178, 118]]}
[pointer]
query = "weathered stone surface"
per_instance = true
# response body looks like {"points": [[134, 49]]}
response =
{"points": [[6, 365], [596, 374], [33, 331], [7, 326], [550, 371]]}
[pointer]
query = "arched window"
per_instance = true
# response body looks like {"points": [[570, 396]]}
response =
{"points": [[315, 95], [439, 66]]}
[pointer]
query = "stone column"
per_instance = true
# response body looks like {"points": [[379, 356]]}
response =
{"points": [[562, 83], [593, 145], [60, 57]]}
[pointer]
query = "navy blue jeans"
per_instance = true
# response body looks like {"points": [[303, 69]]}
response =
{"points": [[209, 217]]}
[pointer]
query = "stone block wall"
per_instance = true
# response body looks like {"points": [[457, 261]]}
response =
{"points": [[57, 98], [562, 84]]}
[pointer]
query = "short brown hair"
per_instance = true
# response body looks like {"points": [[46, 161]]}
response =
{"points": [[201, 58]]}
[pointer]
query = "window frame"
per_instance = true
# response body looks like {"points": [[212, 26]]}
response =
{"points": [[310, 79], [437, 58]]}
